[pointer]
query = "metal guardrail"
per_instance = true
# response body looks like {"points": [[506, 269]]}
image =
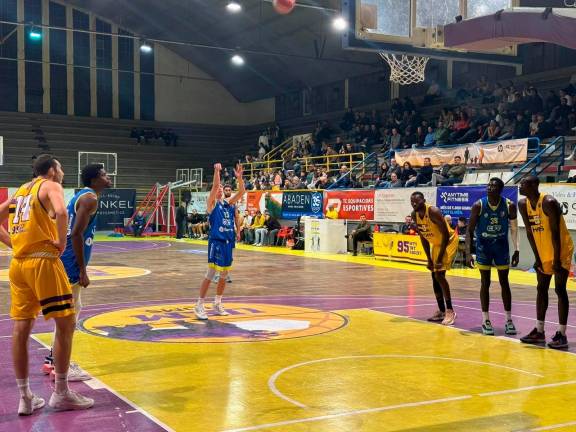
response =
{"points": [[362, 163], [542, 160]]}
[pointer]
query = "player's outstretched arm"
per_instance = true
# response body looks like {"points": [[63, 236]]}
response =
{"points": [[211, 202], [524, 214], [86, 206], [55, 195], [241, 187], [474, 213], [513, 215]]}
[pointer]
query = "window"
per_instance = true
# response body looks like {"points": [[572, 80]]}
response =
{"points": [[104, 86], [431, 13], [392, 16], [478, 8], [58, 90], [81, 91], [126, 95]]}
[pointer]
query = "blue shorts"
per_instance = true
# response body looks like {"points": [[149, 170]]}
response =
{"points": [[493, 253], [220, 254]]}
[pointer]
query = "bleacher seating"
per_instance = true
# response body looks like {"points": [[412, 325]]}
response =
{"points": [[199, 146]]}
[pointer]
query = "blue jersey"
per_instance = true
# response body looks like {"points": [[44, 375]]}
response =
{"points": [[221, 221], [69, 257], [493, 222]]}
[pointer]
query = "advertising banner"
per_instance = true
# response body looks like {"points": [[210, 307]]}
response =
{"points": [[350, 204], [114, 205], [566, 196], [301, 203], [265, 200], [473, 154], [399, 247], [457, 201], [393, 205]]}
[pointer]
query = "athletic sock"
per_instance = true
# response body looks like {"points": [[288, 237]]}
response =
{"points": [[200, 301], [540, 326], [486, 316], [562, 329], [24, 387], [508, 315], [218, 299], [61, 383]]}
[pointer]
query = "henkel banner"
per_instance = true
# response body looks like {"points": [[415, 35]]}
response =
{"points": [[457, 201], [393, 205], [399, 247], [265, 200], [4, 197], [350, 204], [114, 205], [473, 154], [565, 194], [301, 203]]}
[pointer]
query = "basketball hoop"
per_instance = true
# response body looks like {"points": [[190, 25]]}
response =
{"points": [[405, 69]]}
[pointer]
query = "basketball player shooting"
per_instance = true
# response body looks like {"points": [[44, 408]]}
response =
{"points": [[221, 207]]}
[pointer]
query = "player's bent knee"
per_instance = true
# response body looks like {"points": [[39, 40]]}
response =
{"points": [[210, 273]]}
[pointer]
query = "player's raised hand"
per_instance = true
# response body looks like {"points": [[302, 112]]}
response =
{"points": [[217, 167], [238, 171]]}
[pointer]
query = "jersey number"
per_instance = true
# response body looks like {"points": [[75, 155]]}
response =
{"points": [[22, 213]]}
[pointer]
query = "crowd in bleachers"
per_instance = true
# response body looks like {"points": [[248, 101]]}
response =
{"points": [[152, 135]]}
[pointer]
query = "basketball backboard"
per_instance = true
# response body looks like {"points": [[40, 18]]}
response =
{"points": [[415, 27]]}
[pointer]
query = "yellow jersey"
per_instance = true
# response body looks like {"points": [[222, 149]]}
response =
{"points": [[540, 227], [332, 214], [429, 230], [32, 230]]}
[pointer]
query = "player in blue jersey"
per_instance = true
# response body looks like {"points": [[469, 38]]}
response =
{"points": [[490, 220], [221, 239], [82, 210]]}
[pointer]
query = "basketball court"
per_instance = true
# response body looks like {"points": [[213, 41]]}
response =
{"points": [[312, 343]]}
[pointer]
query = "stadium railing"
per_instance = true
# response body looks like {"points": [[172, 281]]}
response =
{"points": [[548, 155]]}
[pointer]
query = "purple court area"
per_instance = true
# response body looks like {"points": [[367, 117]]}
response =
{"points": [[109, 247], [112, 414]]}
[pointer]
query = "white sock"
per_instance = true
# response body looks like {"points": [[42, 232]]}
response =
{"points": [[562, 329], [218, 299], [508, 315], [200, 301], [61, 383], [540, 326], [24, 387], [486, 316]]}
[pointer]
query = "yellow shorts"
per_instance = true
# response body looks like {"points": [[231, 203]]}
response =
{"points": [[39, 284], [449, 255], [548, 266]]}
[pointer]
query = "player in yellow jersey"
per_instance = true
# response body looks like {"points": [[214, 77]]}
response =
{"points": [[553, 249], [440, 244], [38, 222]]}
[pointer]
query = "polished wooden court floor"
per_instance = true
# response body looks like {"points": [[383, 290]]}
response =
{"points": [[313, 343]]}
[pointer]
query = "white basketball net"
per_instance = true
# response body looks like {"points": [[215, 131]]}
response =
{"points": [[405, 69]]}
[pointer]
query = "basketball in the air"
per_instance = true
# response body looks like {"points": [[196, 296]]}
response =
{"points": [[284, 6]]}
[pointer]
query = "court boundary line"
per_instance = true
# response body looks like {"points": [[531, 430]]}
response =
{"points": [[554, 426], [274, 377], [122, 398]]}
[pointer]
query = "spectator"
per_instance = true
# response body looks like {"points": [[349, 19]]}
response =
{"points": [[383, 170], [407, 173], [424, 175], [544, 129], [432, 93], [420, 136], [507, 130], [430, 138], [462, 226], [492, 132], [534, 125], [395, 139], [395, 181], [272, 227], [344, 181], [138, 134], [442, 134], [331, 212], [569, 99], [247, 234], [181, 218], [460, 127], [407, 227], [363, 232], [258, 224], [521, 127], [394, 168], [452, 175], [552, 100], [138, 224], [409, 138], [347, 120]]}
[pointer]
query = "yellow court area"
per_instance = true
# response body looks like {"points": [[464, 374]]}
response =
{"points": [[378, 372], [99, 273]]}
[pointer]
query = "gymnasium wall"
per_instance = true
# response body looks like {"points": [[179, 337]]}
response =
{"points": [[101, 75], [184, 93]]}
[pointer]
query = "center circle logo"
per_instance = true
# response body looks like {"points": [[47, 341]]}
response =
{"points": [[247, 322]]}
